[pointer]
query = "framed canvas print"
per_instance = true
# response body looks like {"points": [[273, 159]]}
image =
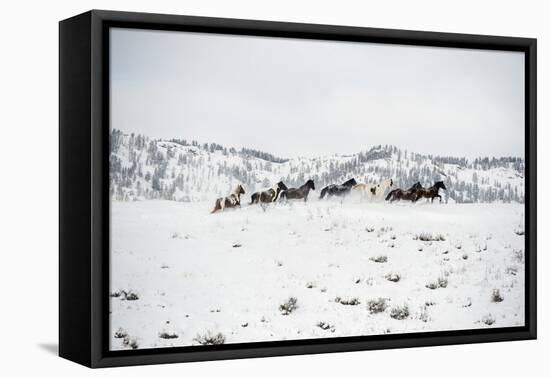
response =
{"points": [[235, 188]]}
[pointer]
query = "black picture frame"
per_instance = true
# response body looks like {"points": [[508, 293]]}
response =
{"points": [[84, 187]]}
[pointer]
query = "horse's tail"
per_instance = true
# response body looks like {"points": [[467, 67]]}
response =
{"points": [[323, 192], [253, 199], [282, 195], [390, 194], [216, 206]]}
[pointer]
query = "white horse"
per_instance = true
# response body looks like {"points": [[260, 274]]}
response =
{"points": [[373, 192]]}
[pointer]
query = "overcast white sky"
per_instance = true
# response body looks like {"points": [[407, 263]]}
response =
{"points": [[295, 97]]}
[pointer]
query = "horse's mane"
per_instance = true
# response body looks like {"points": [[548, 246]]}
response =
{"points": [[282, 185], [350, 182], [306, 184]]}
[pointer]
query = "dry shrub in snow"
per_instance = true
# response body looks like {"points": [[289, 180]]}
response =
{"points": [[512, 270], [496, 297], [519, 231], [518, 255], [325, 326], [432, 285], [130, 295], [393, 277], [480, 247], [425, 236], [423, 314], [125, 295], [441, 282], [347, 301], [130, 342], [379, 259], [166, 335], [377, 305], [210, 338], [488, 319], [289, 306], [176, 235], [120, 334], [400, 312]]}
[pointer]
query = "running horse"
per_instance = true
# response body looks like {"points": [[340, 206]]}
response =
{"points": [[431, 192], [373, 191], [269, 195], [233, 200], [400, 194], [298, 193], [338, 190]]}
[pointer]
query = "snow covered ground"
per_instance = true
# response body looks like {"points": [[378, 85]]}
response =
{"points": [[179, 273]]}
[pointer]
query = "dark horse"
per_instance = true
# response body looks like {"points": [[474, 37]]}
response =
{"points": [[431, 192], [269, 195], [298, 193], [400, 194], [338, 190]]}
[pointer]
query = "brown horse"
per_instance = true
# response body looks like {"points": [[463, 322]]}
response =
{"points": [[400, 194], [233, 200], [269, 195], [431, 192]]}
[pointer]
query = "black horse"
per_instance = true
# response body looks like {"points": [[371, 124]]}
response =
{"points": [[338, 190], [400, 194], [431, 192], [298, 193], [269, 195]]}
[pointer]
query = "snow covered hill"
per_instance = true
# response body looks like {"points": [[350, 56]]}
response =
{"points": [[181, 276], [143, 168]]}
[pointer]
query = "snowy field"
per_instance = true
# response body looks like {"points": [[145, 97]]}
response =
{"points": [[181, 276]]}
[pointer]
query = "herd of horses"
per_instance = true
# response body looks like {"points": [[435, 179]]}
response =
{"points": [[280, 192]]}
